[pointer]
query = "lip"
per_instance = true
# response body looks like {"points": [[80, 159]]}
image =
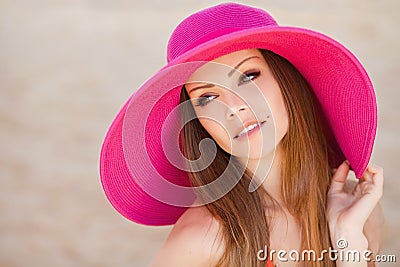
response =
{"points": [[240, 133]]}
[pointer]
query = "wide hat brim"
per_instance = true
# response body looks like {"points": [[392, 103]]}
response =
{"points": [[132, 151]]}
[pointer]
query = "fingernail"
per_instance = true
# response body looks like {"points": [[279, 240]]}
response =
{"points": [[347, 162]]}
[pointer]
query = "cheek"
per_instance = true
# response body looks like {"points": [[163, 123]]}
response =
{"points": [[280, 115], [277, 107], [218, 133]]}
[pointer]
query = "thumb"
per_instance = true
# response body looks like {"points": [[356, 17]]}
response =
{"points": [[340, 177]]}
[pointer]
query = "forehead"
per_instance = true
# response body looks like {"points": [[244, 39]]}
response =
{"points": [[222, 66], [233, 58]]}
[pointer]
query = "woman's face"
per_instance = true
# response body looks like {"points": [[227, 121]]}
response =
{"points": [[239, 103]]}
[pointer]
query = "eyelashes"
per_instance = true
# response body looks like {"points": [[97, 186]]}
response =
{"points": [[248, 76], [204, 100], [244, 78]]}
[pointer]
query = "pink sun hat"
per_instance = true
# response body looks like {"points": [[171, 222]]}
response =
{"points": [[145, 184]]}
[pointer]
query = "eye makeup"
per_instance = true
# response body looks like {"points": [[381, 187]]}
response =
{"points": [[248, 76], [244, 78], [204, 100]]}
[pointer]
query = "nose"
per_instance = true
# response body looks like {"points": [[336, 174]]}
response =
{"points": [[235, 106]]}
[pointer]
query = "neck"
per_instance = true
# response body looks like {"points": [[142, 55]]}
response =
{"points": [[267, 172]]}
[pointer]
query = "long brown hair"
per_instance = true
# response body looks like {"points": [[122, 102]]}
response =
{"points": [[245, 217]]}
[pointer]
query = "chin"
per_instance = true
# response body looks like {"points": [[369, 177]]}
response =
{"points": [[263, 154], [257, 151]]}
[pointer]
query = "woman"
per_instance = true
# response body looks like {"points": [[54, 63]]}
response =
{"points": [[282, 118]]}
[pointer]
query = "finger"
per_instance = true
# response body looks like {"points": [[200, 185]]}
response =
{"points": [[364, 206], [340, 177], [367, 176], [375, 168], [378, 182], [357, 190], [371, 192], [377, 174], [373, 174]]}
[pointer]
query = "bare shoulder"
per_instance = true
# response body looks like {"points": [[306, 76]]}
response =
{"points": [[193, 241]]}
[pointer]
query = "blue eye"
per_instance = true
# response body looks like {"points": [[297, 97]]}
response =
{"points": [[247, 77], [204, 100]]}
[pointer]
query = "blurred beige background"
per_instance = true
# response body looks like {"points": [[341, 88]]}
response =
{"points": [[66, 67]]}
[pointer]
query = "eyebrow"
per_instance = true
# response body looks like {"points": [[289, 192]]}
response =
{"points": [[229, 74], [239, 64], [209, 85]]}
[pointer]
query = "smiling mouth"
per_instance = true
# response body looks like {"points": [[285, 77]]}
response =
{"points": [[249, 128]]}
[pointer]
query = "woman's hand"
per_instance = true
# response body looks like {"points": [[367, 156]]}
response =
{"points": [[348, 211]]}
